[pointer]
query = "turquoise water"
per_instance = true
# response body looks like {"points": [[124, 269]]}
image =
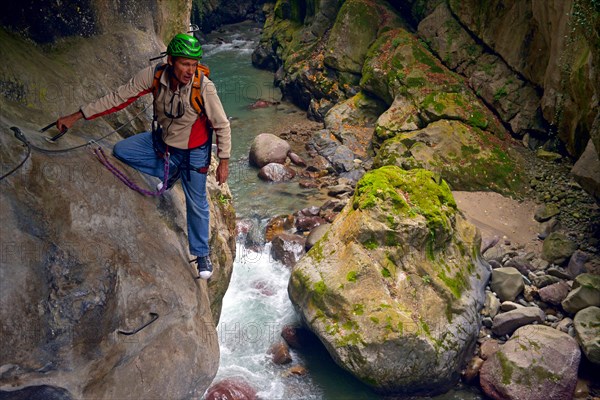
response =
{"points": [[239, 84], [256, 305]]}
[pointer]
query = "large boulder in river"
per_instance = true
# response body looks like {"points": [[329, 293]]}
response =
{"points": [[536, 363], [394, 287], [267, 148]]}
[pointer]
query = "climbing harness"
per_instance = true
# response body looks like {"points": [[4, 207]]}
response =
{"points": [[153, 317]]}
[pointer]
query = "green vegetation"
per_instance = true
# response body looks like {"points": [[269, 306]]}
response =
{"points": [[320, 288], [358, 309], [351, 276], [316, 252], [507, 368], [370, 244], [586, 20], [478, 120], [414, 192], [420, 55], [456, 284], [500, 93]]}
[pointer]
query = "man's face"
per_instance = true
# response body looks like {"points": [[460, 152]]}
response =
{"points": [[184, 69]]}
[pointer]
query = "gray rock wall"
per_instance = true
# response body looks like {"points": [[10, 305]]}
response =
{"points": [[84, 260]]}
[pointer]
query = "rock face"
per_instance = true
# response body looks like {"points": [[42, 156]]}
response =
{"points": [[538, 362], [96, 259], [211, 14], [394, 287], [553, 50], [94, 273], [544, 87]]}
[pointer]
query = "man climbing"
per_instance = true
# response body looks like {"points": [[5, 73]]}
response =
{"points": [[182, 127]]}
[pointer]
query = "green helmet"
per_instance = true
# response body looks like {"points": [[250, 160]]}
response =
{"points": [[183, 45]]}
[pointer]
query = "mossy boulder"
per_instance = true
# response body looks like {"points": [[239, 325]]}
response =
{"points": [[587, 328], [585, 293], [537, 363], [394, 287], [558, 248], [466, 157]]}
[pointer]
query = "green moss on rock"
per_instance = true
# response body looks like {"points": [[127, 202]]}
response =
{"points": [[414, 192]]}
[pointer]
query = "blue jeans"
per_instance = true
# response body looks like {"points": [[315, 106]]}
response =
{"points": [[138, 152]]}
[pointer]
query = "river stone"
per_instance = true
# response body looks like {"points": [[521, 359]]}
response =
{"points": [[587, 328], [277, 225], [547, 155], [402, 116], [41, 392], [471, 372], [274, 172], [296, 159], [564, 324], [267, 148], [585, 293], [545, 212], [280, 353], [558, 272], [287, 248], [541, 281], [507, 282], [546, 228], [488, 348], [557, 248], [509, 306], [536, 363], [577, 264], [231, 388], [506, 323], [491, 306], [554, 294], [381, 291]]}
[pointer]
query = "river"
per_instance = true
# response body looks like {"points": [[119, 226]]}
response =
{"points": [[256, 305]]}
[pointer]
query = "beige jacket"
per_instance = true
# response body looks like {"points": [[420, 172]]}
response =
{"points": [[177, 132]]}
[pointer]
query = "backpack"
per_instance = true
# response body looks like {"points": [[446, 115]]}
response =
{"points": [[196, 96]]}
